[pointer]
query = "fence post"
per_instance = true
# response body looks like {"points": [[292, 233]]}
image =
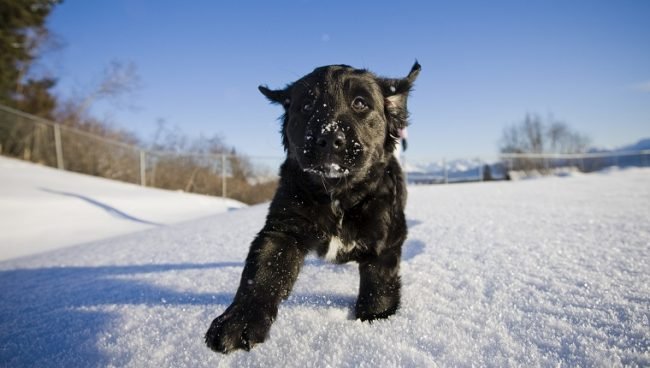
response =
{"points": [[143, 168], [223, 175], [547, 165], [58, 146], [444, 164]]}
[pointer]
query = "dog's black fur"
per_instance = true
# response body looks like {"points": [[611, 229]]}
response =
{"points": [[339, 185]]}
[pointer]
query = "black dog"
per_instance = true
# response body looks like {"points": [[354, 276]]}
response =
{"points": [[341, 194]]}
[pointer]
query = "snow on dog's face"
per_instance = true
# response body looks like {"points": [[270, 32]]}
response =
{"points": [[339, 120]]}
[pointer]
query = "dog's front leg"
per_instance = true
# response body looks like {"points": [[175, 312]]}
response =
{"points": [[271, 269], [379, 289]]}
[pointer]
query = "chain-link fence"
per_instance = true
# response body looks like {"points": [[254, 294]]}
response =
{"points": [[248, 179], [251, 179], [584, 162]]}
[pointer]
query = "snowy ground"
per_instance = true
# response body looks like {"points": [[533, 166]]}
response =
{"points": [[547, 272], [43, 208]]}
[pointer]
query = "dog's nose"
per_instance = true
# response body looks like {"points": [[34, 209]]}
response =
{"points": [[335, 141]]}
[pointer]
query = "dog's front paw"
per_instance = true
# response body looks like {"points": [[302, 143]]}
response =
{"points": [[238, 328], [377, 308], [369, 316]]}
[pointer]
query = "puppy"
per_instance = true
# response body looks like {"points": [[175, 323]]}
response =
{"points": [[341, 195]]}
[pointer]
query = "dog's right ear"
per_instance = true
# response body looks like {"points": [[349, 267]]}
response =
{"points": [[278, 96]]}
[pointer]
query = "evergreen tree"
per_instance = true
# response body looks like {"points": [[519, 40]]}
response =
{"points": [[22, 32]]}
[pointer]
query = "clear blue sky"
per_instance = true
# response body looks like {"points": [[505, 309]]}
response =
{"points": [[485, 63]]}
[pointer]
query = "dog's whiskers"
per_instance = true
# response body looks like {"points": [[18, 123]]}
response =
{"points": [[322, 180], [347, 185]]}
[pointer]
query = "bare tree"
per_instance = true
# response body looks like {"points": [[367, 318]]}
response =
{"points": [[511, 140], [533, 135], [118, 79], [526, 137], [564, 140]]}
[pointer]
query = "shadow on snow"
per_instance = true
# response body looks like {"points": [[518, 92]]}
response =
{"points": [[47, 315], [111, 210]]}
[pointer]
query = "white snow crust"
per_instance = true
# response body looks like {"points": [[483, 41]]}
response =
{"points": [[553, 272]]}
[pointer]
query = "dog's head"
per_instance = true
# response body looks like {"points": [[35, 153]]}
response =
{"points": [[339, 120]]}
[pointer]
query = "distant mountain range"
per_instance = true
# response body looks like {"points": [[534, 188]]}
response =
{"points": [[456, 170], [452, 166], [475, 169], [643, 144]]}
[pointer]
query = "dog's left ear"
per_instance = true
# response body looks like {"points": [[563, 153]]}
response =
{"points": [[396, 93], [278, 96]]}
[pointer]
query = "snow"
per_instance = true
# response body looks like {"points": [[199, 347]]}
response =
{"points": [[42, 208], [546, 272]]}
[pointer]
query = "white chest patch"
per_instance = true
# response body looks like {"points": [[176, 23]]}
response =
{"points": [[336, 246], [333, 250]]}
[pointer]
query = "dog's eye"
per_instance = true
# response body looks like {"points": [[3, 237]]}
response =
{"points": [[307, 106], [359, 104]]}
